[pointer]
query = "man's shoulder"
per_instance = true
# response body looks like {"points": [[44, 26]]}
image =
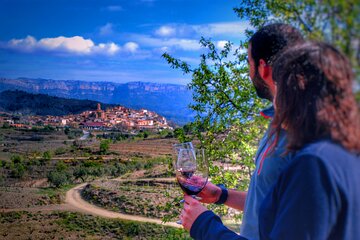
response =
{"points": [[268, 112]]}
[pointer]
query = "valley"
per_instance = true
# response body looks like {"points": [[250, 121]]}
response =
{"points": [[61, 188]]}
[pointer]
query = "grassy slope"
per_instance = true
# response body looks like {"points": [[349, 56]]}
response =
{"points": [[67, 225]]}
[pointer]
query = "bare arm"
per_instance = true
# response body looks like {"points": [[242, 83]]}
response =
{"points": [[211, 194], [236, 199]]}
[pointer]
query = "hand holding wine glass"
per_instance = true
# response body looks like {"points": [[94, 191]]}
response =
{"points": [[191, 169], [191, 211]]}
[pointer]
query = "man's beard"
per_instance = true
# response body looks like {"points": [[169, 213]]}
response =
{"points": [[262, 90]]}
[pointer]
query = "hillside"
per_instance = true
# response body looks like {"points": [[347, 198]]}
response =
{"points": [[42, 104], [169, 100]]}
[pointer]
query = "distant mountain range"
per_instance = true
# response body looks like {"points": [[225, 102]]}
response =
{"points": [[20, 102], [168, 100]]}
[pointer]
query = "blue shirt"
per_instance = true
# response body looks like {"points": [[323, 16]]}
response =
{"points": [[269, 165], [316, 197]]}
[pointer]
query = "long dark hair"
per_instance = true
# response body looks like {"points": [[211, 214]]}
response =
{"points": [[314, 97]]}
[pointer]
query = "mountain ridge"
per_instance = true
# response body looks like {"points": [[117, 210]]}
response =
{"points": [[20, 102], [169, 100]]}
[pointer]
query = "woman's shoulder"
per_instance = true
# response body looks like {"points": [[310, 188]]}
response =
{"points": [[325, 149], [332, 156]]}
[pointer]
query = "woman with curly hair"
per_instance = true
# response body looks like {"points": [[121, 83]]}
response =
{"points": [[318, 195]]}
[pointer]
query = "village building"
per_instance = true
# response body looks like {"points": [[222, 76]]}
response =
{"points": [[118, 117]]}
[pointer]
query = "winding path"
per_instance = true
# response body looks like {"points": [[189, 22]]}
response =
{"points": [[75, 201]]}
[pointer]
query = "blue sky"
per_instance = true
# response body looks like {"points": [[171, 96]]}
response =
{"points": [[110, 40]]}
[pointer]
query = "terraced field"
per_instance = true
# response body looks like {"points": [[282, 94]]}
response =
{"points": [[147, 147], [142, 197]]}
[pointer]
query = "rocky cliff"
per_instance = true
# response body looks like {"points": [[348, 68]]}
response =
{"points": [[169, 100]]}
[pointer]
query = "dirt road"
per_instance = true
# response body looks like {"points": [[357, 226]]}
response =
{"points": [[121, 179], [74, 200]]}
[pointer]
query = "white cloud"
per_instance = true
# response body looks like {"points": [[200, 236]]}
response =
{"points": [[177, 43], [242, 50], [186, 37], [107, 29], [131, 47], [185, 44], [114, 8], [67, 45], [163, 49], [165, 31], [74, 44], [26, 44], [190, 60], [175, 30], [221, 44], [221, 29], [108, 48]]}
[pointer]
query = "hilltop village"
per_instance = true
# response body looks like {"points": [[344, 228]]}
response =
{"points": [[117, 118]]}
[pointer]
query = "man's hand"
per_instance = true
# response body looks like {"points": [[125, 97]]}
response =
{"points": [[210, 193], [192, 210]]}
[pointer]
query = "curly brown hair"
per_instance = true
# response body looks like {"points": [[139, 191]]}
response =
{"points": [[314, 97]]}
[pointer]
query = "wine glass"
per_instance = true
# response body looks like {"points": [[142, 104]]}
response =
{"points": [[177, 147], [185, 145], [192, 170]]}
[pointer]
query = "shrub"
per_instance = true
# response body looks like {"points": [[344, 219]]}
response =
{"points": [[15, 159], [46, 157], [104, 146], [119, 169], [2, 163], [18, 170], [48, 128], [6, 125], [61, 166], [81, 172], [165, 133], [60, 151], [97, 171], [58, 178]]}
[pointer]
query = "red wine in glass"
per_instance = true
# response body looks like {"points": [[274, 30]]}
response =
{"points": [[192, 170], [190, 183]]}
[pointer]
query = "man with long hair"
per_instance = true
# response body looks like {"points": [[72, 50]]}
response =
{"points": [[264, 45]]}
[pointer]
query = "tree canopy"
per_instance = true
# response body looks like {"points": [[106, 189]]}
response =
{"points": [[227, 122], [336, 22]]}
